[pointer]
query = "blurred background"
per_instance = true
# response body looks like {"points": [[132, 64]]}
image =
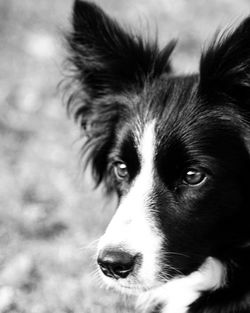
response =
{"points": [[50, 216]]}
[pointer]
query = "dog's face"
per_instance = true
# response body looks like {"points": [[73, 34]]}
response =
{"points": [[179, 170], [174, 149]]}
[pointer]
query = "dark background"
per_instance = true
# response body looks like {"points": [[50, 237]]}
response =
{"points": [[49, 215]]}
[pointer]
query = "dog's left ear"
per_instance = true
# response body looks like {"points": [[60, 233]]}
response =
{"points": [[109, 59], [225, 68]]}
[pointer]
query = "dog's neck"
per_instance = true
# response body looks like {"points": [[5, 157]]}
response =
{"points": [[178, 294]]}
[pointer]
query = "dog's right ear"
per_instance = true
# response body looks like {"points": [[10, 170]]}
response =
{"points": [[225, 68], [109, 59]]}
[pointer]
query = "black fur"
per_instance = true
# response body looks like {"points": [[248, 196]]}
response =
{"points": [[202, 121]]}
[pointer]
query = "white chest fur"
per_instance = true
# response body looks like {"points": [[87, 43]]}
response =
{"points": [[178, 294]]}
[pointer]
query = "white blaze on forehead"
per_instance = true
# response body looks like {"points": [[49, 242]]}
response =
{"points": [[133, 226], [147, 149]]}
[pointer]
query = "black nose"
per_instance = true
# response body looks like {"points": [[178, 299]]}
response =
{"points": [[116, 263]]}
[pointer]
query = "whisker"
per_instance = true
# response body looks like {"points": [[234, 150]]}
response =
{"points": [[176, 253], [96, 276], [94, 272], [92, 245]]}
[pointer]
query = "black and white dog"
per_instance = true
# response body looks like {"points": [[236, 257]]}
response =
{"points": [[175, 149]]}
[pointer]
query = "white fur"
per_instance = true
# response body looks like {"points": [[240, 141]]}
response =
{"points": [[132, 226], [177, 294]]}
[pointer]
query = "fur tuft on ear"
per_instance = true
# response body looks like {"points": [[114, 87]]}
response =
{"points": [[100, 121], [225, 66], [106, 64]]}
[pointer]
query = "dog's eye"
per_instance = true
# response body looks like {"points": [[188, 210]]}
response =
{"points": [[194, 177], [120, 170]]}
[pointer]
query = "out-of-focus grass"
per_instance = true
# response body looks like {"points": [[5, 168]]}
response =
{"points": [[49, 214]]}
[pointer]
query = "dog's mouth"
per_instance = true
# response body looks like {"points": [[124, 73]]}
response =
{"points": [[132, 285]]}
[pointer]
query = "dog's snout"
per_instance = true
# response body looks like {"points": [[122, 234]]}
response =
{"points": [[116, 263]]}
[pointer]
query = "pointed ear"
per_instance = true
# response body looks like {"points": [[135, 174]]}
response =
{"points": [[225, 67], [107, 58]]}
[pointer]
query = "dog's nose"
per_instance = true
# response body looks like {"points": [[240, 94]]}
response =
{"points": [[116, 263]]}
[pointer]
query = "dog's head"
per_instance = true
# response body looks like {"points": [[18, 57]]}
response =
{"points": [[173, 148]]}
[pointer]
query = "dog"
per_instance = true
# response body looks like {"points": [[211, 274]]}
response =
{"points": [[175, 150]]}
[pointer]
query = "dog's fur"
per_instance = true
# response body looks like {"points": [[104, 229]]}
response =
{"points": [[192, 236]]}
